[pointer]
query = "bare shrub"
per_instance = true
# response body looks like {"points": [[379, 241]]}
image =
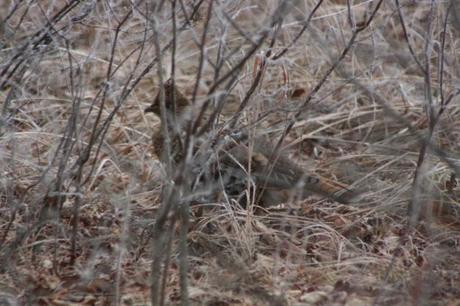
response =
{"points": [[361, 93]]}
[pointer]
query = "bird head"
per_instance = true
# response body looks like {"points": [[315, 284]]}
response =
{"points": [[175, 101]]}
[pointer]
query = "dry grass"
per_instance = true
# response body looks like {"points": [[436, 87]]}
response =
{"points": [[80, 185]]}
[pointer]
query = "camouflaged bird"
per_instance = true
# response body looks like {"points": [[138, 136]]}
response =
{"points": [[176, 106], [244, 163]]}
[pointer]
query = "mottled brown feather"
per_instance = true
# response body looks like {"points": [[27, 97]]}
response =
{"points": [[276, 177]]}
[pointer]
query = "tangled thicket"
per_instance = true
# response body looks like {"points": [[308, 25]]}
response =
{"points": [[360, 92]]}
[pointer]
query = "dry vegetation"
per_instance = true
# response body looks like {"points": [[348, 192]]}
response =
{"points": [[362, 92]]}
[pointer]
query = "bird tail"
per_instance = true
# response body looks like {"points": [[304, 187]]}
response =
{"points": [[337, 191]]}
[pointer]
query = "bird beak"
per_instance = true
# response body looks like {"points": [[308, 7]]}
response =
{"points": [[149, 109]]}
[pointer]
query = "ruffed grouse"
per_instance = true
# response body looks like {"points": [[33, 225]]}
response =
{"points": [[241, 163]]}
